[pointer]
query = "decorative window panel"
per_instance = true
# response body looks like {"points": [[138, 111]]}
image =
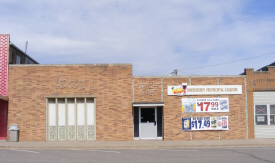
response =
{"points": [[90, 119], [51, 119], [71, 119], [80, 119], [71, 128]]}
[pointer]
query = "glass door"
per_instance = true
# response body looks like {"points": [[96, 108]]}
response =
{"points": [[148, 123]]}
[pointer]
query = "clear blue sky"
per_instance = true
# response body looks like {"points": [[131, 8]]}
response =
{"points": [[155, 36]]}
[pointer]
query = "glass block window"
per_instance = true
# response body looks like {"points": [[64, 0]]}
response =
{"points": [[71, 119]]}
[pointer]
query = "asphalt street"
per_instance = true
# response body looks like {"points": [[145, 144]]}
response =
{"points": [[200, 155]]}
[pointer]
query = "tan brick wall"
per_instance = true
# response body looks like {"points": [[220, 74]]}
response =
{"points": [[237, 110], [172, 129], [257, 81], [111, 84], [262, 80], [147, 89]]}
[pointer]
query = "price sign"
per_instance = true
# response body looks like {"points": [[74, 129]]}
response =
{"points": [[200, 123], [210, 105], [190, 105], [205, 123]]}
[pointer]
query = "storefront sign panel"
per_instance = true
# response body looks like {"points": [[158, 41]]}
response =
{"points": [[186, 123], [204, 123], [63, 82], [190, 105], [204, 89], [147, 88]]}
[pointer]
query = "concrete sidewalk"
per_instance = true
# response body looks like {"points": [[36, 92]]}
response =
{"points": [[142, 144]]}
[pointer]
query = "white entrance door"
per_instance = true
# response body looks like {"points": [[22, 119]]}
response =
{"points": [[148, 123]]}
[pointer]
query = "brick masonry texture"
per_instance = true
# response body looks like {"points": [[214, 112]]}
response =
{"points": [[29, 85], [147, 89], [111, 84], [172, 108], [257, 81]]}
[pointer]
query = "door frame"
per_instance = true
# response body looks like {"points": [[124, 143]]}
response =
{"points": [[155, 125], [4, 118], [159, 106]]}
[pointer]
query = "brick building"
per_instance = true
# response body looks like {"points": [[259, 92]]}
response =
{"points": [[9, 54], [262, 99], [105, 102]]}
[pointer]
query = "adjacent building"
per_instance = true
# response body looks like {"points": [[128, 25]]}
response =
{"points": [[9, 54], [262, 100]]}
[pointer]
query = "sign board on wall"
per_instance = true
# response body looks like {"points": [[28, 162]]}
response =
{"points": [[204, 123], [190, 105], [203, 89], [147, 88]]}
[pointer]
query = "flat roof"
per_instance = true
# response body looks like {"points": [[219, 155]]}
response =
{"points": [[103, 64], [195, 76]]}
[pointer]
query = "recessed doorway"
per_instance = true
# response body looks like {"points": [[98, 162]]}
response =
{"points": [[148, 122]]}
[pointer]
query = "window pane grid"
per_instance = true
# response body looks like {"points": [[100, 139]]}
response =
{"points": [[265, 114], [71, 119]]}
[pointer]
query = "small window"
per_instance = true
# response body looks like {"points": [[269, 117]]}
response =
{"points": [[18, 58], [261, 114], [147, 115], [261, 109], [265, 114], [27, 60]]}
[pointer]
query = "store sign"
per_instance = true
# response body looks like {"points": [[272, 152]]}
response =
{"points": [[190, 105], [147, 88], [203, 89], [204, 123], [260, 118], [63, 82]]}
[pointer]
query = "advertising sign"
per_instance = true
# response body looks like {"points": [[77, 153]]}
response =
{"points": [[186, 123], [260, 118], [204, 123], [177, 89], [190, 105], [183, 89]]}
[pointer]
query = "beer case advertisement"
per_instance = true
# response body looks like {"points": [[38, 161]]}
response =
{"points": [[190, 105], [204, 123]]}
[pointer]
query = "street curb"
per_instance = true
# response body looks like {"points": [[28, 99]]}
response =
{"points": [[137, 147]]}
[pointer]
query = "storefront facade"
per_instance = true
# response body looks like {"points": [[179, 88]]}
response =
{"points": [[9, 54], [262, 83], [71, 102], [153, 92], [104, 102]]}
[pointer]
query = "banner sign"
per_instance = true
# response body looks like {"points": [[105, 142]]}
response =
{"points": [[177, 89], [190, 105], [203, 89], [204, 123]]}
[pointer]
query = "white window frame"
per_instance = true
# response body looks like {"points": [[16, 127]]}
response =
{"points": [[268, 115], [66, 116]]}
